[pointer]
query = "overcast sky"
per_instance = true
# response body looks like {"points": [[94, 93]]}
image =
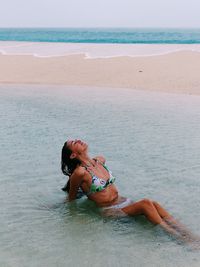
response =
{"points": [[100, 13]]}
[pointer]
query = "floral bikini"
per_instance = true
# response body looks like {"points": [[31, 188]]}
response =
{"points": [[99, 184]]}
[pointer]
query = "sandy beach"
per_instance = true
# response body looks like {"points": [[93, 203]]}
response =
{"points": [[175, 72]]}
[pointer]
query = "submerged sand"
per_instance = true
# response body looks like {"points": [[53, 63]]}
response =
{"points": [[177, 72]]}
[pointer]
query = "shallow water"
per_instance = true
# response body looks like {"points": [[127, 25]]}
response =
{"points": [[152, 144], [91, 51]]}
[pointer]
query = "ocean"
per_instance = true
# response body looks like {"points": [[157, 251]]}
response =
{"points": [[151, 143], [150, 140], [103, 35]]}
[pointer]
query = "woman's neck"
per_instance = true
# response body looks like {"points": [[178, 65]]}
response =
{"points": [[85, 159]]}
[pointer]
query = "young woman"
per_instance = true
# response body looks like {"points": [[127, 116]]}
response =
{"points": [[96, 181]]}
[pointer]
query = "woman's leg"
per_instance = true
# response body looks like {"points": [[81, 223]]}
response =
{"points": [[162, 212], [147, 208], [170, 220]]}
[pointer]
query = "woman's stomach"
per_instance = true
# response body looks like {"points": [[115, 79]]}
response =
{"points": [[105, 197]]}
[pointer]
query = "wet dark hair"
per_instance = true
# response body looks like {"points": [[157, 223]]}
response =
{"points": [[68, 165]]}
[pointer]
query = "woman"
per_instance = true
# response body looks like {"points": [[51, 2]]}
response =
{"points": [[96, 181]]}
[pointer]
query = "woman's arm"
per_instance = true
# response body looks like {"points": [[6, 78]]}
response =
{"points": [[75, 181]]}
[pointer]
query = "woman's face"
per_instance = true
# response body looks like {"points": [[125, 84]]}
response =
{"points": [[77, 146]]}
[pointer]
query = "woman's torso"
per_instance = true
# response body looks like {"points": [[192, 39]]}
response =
{"points": [[106, 196]]}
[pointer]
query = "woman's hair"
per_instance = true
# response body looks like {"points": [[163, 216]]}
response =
{"points": [[68, 165]]}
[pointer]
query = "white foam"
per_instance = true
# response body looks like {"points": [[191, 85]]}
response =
{"points": [[40, 49]]}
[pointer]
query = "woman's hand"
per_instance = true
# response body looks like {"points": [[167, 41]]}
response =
{"points": [[101, 159]]}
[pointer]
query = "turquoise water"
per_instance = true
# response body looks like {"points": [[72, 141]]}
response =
{"points": [[152, 144], [102, 35]]}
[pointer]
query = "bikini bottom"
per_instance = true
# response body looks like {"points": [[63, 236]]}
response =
{"points": [[116, 210]]}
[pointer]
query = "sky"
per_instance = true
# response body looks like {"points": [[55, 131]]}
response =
{"points": [[100, 13]]}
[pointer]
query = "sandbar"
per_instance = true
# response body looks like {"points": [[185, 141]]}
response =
{"points": [[176, 72]]}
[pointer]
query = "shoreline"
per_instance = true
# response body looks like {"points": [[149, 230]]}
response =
{"points": [[91, 50], [175, 72]]}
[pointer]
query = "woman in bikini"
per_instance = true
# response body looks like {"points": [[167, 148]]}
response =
{"points": [[95, 180]]}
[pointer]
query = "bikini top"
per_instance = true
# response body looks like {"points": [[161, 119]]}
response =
{"points": [[99, 184]]}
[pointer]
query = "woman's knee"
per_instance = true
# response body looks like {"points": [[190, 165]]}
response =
{"points": [[155, 203], [146, 204]]}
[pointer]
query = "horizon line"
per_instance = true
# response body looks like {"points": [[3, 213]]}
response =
{"points": [[99, 27]]}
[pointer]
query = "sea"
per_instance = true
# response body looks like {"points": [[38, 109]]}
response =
{"points": [[150, 140], [151, 143], [103, 35]]}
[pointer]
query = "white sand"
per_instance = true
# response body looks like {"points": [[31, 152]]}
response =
{"points": [[177, 72]]}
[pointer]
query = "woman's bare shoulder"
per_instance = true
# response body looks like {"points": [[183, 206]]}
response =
{"points": [[79, 171]]}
